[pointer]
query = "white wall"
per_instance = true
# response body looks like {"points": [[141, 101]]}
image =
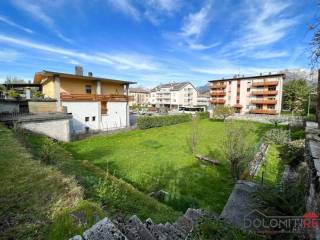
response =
{"points": [[58, 129], [81, 110], [116, 116]]}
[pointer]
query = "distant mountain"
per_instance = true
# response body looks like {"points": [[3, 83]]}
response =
{"points": [[203, 89], [301, 73]]}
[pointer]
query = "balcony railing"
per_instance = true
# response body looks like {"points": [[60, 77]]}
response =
{"points": [[272, 92], [264, 101], [217, 93], [263, 111], [218, 101], [237, 105], [95, 97], [218, 85], [265, 83]]}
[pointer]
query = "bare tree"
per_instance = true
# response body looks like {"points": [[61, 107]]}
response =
{"points": [[192, 139], [237, 149]]}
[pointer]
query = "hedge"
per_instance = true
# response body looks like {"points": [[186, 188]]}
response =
{"points": [[203, 115], [159, 121]]}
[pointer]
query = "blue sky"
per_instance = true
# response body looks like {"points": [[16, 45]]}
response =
{"points": [[154, 41]]}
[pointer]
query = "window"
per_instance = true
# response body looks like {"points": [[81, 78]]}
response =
{"points": [[248, 89], [103, 107], [86, 119], [238, 94], [238, 101], [93, 119], [238, 85], [271, 107], [247, 106], [88, 89]]}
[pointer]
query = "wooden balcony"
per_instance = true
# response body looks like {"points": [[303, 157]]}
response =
{"points": [[218, 101], [95, 97], [237, 105], [218, 85], [217, 93], [264, 111], [264, 102], [265, 83], [265, 93]]}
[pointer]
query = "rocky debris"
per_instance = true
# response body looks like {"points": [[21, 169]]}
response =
{"points": [[258, 160], [239, 205], [103, 230], [135, 229], [208, 160], [159, 195]]}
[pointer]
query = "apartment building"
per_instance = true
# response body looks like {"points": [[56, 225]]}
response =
{"points": [[260, 94], [139, 97], [203, 98], [95, 103], [174, 95]]}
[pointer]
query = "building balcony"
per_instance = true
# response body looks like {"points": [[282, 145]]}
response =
{"points": [[265, 83], [264, 102], [217, 93], [266, 93], [263, 111], [218, 85], [237, 105], [217, 101], [95, 97]]}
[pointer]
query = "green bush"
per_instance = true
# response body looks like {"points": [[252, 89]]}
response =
{"points": [[311, 118], [299, 134], [293, 152], [203, 115], [159, 121], [277, 136]]}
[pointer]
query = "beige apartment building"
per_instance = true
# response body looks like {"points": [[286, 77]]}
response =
{"points": [[174, 95], [260, 94], [139, 97]]}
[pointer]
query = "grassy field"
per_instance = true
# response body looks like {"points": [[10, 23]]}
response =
{"points": [[33, 196], [159, 158], [273, 167]]}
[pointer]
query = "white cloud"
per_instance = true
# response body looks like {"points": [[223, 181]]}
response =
{"points": [[266, 23], [13, 24], [196, 23], [121, 61], [231, 70], [168, 6], [199, 46], [38, 12], [8, 55], [126, 7], [269, 54]]}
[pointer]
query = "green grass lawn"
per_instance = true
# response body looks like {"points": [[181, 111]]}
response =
{"points": [[272, 169], [159, 158]]}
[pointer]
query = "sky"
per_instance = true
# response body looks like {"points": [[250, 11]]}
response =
{"points": [[155, 41]]}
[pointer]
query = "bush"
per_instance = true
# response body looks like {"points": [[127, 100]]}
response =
{"points": [[13, 93], [203, 115], [277, 136], [311, 118], [293, 152], [47, 152], [159, 121], [299, 134]]}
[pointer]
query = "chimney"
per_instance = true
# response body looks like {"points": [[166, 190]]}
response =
{"points": [[78, 70], [90, 74]]}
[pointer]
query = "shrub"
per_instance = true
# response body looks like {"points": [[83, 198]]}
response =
{"points": [[299, 134], [222, 111], [159, 121], [293, 152], [311, 118], [277, 136], [48, 152], [203, 115], [13, 93]]}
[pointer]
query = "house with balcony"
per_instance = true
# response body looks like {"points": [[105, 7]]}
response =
{"points": [[139, 97], [261, 94], [95, 103], [174, 95]]}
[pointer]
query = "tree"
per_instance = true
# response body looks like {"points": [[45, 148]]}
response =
{"points": [[295, 95], [192, 139], [222, 111], [237, 149], [11, 79]]}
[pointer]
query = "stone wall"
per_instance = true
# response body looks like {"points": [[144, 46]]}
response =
{"points": [[42, 106], [313, 166]]}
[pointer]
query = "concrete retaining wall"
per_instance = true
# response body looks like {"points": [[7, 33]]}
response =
{"points": [[42, 107], [58, 129]]}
